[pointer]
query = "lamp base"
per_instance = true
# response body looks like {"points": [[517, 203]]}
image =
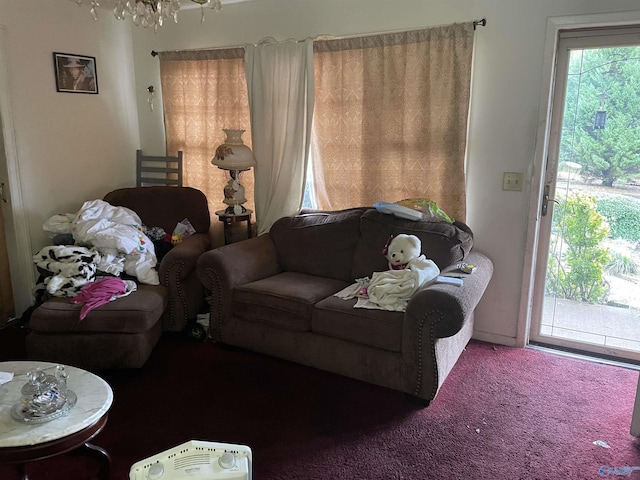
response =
{"points": [[235, 210]]}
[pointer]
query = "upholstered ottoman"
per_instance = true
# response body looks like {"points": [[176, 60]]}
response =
{"points": [[119, 334]]}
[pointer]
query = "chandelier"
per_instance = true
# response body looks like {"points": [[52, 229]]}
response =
{"points": [[150, 13]]}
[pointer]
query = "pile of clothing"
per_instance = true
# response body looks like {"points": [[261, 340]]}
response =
{"points": [[103, 242]]}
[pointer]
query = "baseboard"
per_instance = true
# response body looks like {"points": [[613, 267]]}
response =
{"points": [[495, 338]]}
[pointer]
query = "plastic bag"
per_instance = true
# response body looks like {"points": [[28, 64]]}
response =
{"points": [[430, 209]]}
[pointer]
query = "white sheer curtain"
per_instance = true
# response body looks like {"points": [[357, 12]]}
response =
{"points": [[281, 93]]}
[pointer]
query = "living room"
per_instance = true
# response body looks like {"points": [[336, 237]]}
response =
{"points": [[91, 140], [63, 149]]}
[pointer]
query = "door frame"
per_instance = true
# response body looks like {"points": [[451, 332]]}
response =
{"points": [[538, 179], [15, 219]]}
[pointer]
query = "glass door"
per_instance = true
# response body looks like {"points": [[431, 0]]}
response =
{"points": [[587, 287]]}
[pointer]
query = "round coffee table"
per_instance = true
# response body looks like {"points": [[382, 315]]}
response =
{"points": [[21, 443]]}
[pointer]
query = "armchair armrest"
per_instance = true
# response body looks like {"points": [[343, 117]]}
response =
{"points": [[177, 272], [222, 269], [181, 259]]}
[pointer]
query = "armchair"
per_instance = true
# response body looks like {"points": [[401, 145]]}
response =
{"points": [[122, 333], [164, 207]]}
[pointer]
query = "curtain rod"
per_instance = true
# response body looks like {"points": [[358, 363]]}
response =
{"points": [[479, 23], [476, 23]]}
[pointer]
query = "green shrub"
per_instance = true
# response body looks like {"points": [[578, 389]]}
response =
{"points": [[576, 257], [622, 264], [623, 216]]}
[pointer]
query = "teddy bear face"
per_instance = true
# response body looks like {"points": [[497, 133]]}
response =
{"points": [[402, 249]]}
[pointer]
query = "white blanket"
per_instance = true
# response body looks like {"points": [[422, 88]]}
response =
{"points": [[115, 232], [392, 289]]}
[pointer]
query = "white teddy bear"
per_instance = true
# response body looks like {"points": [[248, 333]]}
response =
{"points": [[401, 249], [392, 289], [408, 271]]}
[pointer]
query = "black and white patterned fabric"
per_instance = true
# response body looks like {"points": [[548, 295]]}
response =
{"points": [[71, 267]]}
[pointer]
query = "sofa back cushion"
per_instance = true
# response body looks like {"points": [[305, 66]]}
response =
{"points": [[318, 243], [442, 242]]}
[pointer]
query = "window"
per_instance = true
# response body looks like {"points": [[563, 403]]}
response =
{"points": [[390, 116]]}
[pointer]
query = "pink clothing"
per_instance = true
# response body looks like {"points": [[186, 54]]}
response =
{"points": [[98, 293]]}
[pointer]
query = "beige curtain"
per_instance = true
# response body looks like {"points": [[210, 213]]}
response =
{"points": [[204, 91], [390, 117]]}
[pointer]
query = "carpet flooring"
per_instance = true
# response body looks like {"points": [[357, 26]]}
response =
{"points": [[503, 413]]}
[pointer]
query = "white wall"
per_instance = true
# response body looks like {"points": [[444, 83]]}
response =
{"points": [[504, 111], [69, 147]]}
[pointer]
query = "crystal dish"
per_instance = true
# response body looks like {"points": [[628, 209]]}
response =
{"points": [[25, 413]]}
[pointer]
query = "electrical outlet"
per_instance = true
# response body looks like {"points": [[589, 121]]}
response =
{"points": [[512, 181]]}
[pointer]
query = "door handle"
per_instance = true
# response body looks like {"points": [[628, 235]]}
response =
{"points": [[545, 199]]}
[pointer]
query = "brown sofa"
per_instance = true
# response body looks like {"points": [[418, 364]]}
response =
{"points": [[123, 333], [275, 294]]}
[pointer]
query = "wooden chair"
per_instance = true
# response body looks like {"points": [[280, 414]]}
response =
{"points": [[158, 170]]}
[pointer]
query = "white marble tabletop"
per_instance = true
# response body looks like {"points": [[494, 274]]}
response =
{"points": [[94, 400]]}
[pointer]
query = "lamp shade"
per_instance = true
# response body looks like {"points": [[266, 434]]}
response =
{"points": [[233, 154]]}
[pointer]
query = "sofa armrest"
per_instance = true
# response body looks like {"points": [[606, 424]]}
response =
{"points": [[446, 306], [177, 272], [434, 315], [181, 259], [238, 263], [222, 269]]}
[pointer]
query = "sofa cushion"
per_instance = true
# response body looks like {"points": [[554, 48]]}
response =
{"points": [[285, 300], [337, 318], [442, 242], [320, 243]]}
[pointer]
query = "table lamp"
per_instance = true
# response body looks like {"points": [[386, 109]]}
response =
{"points": [[233, 155]]}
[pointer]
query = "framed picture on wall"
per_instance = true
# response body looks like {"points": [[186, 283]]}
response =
{"points": [[75, 73]]}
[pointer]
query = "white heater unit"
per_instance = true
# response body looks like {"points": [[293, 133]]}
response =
{"points": [[196, 460]]}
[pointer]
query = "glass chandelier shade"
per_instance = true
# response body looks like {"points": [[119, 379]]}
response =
{"points": [[149, 13], [146, 13]]}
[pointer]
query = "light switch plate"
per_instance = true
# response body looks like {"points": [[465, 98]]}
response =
{"points": [[512, 181]]}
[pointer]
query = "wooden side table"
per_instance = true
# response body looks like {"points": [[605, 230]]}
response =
{"points": [[230, 219]]}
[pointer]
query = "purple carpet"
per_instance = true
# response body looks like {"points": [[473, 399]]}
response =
{"points": [[503, 413]]}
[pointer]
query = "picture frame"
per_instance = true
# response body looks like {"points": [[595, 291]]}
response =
{"points": [[75, 73]]}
